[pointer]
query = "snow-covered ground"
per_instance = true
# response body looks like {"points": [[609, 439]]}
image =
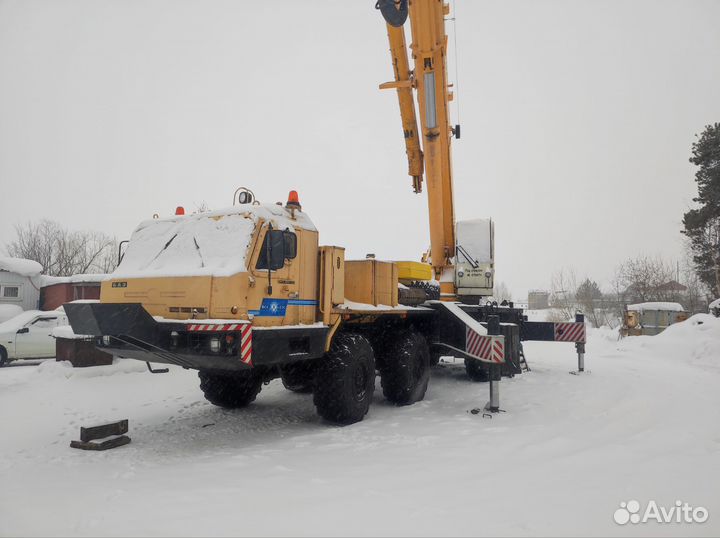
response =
{"points": [[643, 425]]}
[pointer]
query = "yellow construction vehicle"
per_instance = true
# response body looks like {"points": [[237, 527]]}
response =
{"points": [[248, 294]]}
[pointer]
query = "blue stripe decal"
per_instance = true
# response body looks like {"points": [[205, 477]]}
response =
{"points": [[273, 307], [278, 307]]}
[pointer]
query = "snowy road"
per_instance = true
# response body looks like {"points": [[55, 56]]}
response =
{"points": [[645, 425]]}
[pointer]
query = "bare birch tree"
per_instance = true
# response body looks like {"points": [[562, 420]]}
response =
{"points": [[62, 252]]}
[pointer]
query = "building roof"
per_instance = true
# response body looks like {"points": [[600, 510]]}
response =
{"points": [[74, 279], [20, 266], [672, 285]]}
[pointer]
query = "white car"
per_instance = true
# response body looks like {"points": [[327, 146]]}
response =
{"points": [[29, 335]]}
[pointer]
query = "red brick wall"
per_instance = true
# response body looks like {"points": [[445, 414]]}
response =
{"points": [[53, 296], [58, 294]]}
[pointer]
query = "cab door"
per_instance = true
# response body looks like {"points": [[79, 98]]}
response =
{"points": [[275, 286]]}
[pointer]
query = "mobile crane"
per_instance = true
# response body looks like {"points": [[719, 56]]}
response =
{"points": [[246, 294]]}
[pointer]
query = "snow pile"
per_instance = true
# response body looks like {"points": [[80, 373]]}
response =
{"points": [[9, 311], [671, 307], [64, 369], [20, 266], [54, 369], [66, 332], [695, 341], [215, 243], [603, 334]]}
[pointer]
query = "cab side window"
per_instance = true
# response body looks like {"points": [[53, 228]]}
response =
{"points": [[44, 323], [278, 246]]}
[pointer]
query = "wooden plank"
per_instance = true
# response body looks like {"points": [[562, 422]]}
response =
{"points": [[105, 430], [105, 445]]}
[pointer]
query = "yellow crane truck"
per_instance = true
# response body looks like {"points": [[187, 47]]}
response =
{"points": [[247, 294]]}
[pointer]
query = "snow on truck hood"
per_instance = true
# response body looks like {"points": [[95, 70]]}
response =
{"points": [[204, 244]]}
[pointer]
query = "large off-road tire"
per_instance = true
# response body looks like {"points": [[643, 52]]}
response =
{"points": [[405, 368], [298, 377], [476, 370], [230, 389], [345, 380], [3, 357]]}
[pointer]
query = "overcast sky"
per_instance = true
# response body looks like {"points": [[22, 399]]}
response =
{"points": [[577, 121]]}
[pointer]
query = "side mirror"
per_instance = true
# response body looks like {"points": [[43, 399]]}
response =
{"points": [[278, 246], [23, 330]]}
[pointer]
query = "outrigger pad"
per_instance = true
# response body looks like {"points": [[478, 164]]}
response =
{"points": [[113, 433]]}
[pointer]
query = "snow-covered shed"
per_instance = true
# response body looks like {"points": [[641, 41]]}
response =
{"points": [[19, 282]]}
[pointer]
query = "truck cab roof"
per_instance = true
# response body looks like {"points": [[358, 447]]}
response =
{"points": [[213, 243]]}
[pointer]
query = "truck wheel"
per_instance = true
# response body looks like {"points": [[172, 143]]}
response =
{"points": [[476, 370], [345, 380], [230, 390], [298, 377], [3, 357], [406, 368]]}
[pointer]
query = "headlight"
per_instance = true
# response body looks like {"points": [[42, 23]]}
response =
{"points": [[215, 344], [106, 340]]}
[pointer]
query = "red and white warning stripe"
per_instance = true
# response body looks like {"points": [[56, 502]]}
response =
{"points": [[213, 327], [488, 348], [246, 344], [570, 332]]}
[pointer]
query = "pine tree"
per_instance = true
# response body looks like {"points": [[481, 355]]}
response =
{"points": [[702, 225]]}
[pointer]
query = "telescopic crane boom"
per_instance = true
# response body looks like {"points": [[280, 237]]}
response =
{"points": [[428, 77], [461, 253]]}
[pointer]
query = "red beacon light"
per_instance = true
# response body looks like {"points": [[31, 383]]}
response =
{"points": [[179, 210], [293, 201]]}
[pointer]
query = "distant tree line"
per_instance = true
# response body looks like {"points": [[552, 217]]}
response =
{"points": [[636, 280], [62, 252]]}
